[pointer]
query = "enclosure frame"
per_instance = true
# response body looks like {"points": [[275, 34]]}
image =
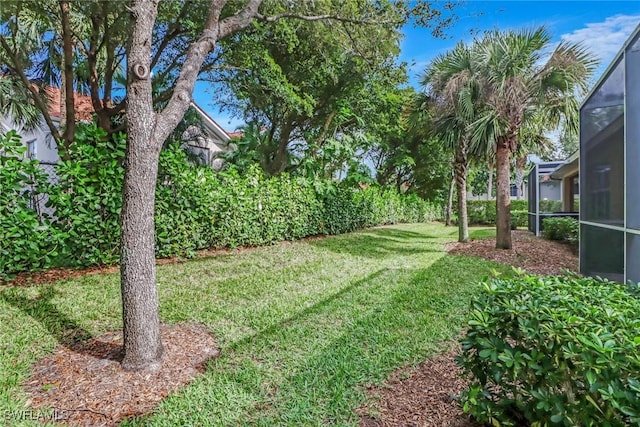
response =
{"points": [[610, 227]]}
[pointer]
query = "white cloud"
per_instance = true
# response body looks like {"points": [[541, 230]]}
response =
{"points": [[605, 39]]}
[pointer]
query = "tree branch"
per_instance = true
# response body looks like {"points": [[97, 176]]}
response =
{"points": [[69, 98], [173, 31], [240, 20], [214, 29], [329, 17]]}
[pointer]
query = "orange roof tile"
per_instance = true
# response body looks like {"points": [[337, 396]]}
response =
{"points": [[83, 105]]}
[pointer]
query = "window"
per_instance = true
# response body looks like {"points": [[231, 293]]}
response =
{"points": [[32, 149]]}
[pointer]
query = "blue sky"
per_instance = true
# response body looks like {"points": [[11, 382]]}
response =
{"points": [[602, 26]]}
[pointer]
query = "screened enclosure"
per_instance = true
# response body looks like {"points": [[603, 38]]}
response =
{"points": [[546, 194], [609, 174]]}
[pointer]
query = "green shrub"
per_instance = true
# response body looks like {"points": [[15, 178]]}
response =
{"points": [[561, 228], [196, 208], [88, 197], [519, 219], [27, 240], [483, 212], [550, 206], [553, 351]]}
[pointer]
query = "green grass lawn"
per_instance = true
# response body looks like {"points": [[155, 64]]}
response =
{"points": [[303, 327]]}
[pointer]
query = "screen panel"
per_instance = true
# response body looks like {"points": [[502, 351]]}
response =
{"points": [[632, 124], [633, 257], [602, 252], [602, 152]]}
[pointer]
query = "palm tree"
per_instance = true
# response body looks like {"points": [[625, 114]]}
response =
{"points": [[532, 140], [451, 93], [520, 83], [15, 102]]}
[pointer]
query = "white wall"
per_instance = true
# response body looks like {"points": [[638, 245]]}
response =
{"points": [[42, 146]]}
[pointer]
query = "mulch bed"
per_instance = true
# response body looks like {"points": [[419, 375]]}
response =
{"points": [[427, 395], [424, 396], [533, 254], [85, 384]]}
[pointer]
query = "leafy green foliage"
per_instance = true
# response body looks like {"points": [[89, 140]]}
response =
{"points": [[483, 212], [563, 228], [550, 206], [519, 218], [88, 197], [553, 351], [27, 240], [196, 208]]}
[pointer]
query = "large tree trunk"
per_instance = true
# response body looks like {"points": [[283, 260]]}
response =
{"points": [[460, 167], [447, 212], [503, 196], [147, 131], [142, 345], [141, 323], [279, 159]]}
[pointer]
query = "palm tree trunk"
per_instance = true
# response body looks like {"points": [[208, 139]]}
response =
{"points": [[503, 196], [460, 167], [521, 162], [490, 183], [447, 213]]}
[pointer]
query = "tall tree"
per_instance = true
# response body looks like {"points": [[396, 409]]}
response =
{"points": [[165, 46], [452, 93], [520, 82], [147, 130], [305, 82]]}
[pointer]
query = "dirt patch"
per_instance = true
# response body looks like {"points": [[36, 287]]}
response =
{"points": [[533, 254], [85, 385], [427, 395]]}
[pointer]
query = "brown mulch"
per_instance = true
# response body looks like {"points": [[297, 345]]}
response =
{"points": [[424, 396], [85, 385], [533, 254], [427, 395]]}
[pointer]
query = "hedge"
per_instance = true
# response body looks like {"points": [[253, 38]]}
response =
{"points": [[196, 208], [483, 212], [553, 351], [27, 240]]}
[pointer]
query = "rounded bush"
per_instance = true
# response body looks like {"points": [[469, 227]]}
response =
{"points": [[553, 351]]}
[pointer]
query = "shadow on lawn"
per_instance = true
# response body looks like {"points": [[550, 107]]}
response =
{"points": [[65, 330], [308, 311], [404, 315], [379, 243]]}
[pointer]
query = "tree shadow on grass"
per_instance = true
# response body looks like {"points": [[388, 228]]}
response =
{"points": [[379, 243], [403, 316], [65, 330]]}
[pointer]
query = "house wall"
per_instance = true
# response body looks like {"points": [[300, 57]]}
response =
{"points": [[39, 141]]}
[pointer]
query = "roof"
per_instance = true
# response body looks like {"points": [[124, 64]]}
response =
{"points": [[545, 168], [211, 124], [570, 167], [613, 63], [83, 106]]}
